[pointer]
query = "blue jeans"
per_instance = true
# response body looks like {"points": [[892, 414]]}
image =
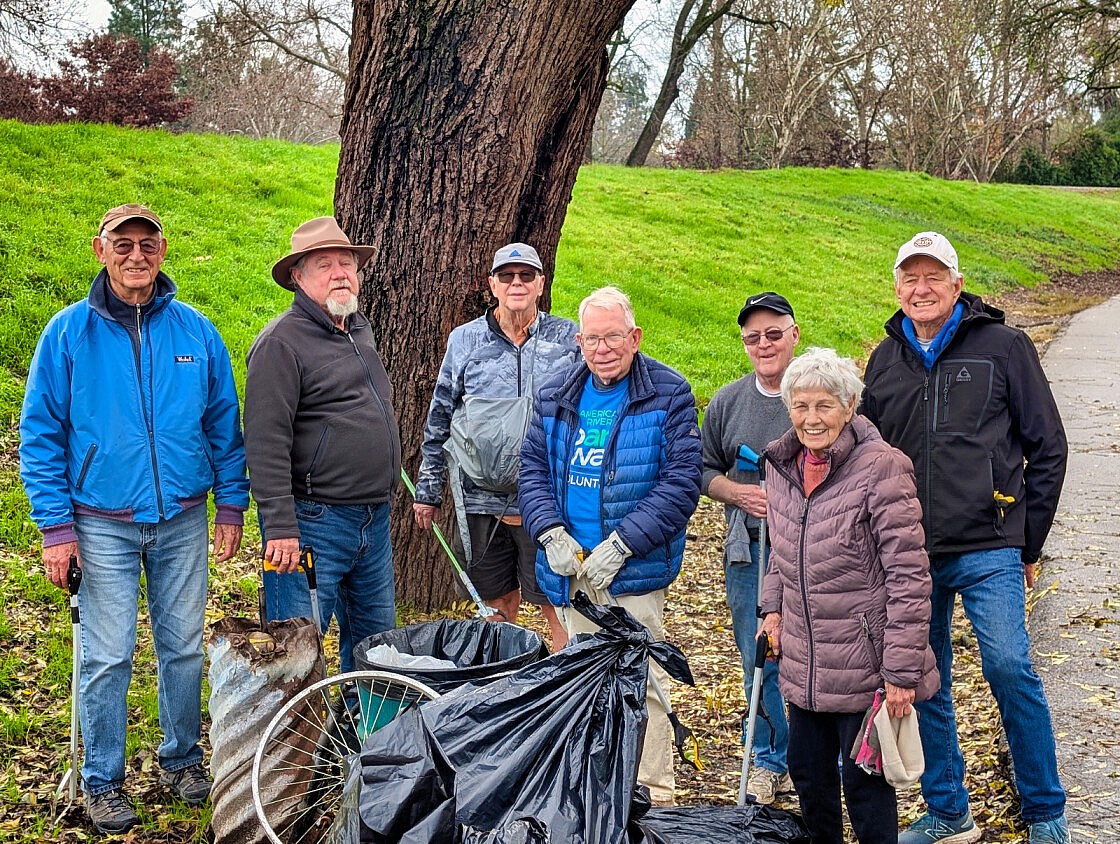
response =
{"points": [[990, 584], [742, 598], [353, 572], [171, 555]]}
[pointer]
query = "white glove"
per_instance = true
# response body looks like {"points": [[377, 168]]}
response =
{"points": [[561, 551], [603, 563]]}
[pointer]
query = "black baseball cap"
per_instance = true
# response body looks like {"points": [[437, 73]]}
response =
{"points": [[771, 301]]}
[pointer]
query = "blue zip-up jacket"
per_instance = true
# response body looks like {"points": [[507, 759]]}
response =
{"points": [[650, 482], [133, 422]]}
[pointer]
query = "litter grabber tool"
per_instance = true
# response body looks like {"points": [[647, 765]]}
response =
{"points": [[762, 652], [69, 781], [484, 611], [750, 460], [306, 564], [687, 745]]}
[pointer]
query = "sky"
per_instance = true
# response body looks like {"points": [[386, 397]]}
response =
{"points": [[97, 13]]}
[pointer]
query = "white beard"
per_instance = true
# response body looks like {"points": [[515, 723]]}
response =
{"points": [[342, 309]]}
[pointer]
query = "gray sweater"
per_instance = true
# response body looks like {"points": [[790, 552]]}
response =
{"points": [[739, 413], [319, 418]]}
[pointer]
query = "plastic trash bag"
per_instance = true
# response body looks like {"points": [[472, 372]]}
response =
{"points": [[751, 824], [549, 753], [480, 649], [389, 656]]}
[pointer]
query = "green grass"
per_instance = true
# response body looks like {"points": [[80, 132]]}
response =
{"points": [[687, 246], [690, 246]]}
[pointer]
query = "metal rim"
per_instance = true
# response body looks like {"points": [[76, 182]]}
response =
{"points": [[319, 725]]}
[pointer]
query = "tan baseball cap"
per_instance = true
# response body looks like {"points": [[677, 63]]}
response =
{"points": [[116, 217]]}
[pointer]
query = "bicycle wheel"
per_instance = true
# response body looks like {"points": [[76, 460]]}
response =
{"points": [[304, 756]]}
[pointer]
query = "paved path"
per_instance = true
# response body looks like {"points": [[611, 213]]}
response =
{"points": [[1075, 624]]}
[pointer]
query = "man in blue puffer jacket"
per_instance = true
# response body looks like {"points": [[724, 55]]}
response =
{"points": [[612, 463], [130, 418]]}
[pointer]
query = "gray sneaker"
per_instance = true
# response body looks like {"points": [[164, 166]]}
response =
{"points": [[1050, 832], [111, 812], [928, 829], [191, 785]]}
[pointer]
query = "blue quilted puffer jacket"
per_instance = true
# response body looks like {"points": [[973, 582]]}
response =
{"points": [[651, 473]]}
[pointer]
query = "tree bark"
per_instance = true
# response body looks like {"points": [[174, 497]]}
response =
{"points": [[463, 129]]}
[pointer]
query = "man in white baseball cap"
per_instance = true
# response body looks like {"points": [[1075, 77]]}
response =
{"points": [[964, 397]]}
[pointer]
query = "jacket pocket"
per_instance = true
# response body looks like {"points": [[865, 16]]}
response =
{"points": [[869, 644], [320, 449], [86, 463]]}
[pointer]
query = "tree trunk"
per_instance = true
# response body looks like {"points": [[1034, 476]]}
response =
{"points": [[463, 129], [668, 94]]}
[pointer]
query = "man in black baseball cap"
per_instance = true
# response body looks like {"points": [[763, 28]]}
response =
{"points": [[741, 419]]}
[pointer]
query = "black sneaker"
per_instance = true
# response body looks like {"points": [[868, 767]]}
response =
{"points": [[191, 785], [111, 812]]}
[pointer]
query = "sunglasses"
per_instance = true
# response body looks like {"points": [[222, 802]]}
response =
{"points": [[771, 334]]}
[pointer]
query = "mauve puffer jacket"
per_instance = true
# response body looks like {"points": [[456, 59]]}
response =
{"points": [[849, 573]]}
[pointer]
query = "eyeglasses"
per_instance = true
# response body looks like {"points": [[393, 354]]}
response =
{"points": [[771, 334], [590, 342], [124, 246], [524, 276]]}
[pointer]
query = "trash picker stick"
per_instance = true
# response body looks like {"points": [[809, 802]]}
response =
{"points": [[70, 778], [762, 646], [484, 611]]}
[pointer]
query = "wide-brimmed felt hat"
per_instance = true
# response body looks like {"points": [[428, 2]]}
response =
{"points": [[320, 233]]}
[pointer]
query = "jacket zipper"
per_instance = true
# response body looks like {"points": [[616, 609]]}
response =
{"points": [[315, 457], [812, 684], [377, 396], [803, 521], [149, 422], [85, 466], [875, 664]]}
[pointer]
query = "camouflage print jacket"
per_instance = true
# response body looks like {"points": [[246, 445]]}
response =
{"points": [[481, 360]]}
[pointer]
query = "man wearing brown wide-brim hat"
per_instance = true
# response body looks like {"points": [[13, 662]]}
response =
{"points": [[322, 442]]}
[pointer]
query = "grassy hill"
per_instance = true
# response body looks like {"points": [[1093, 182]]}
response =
{"points": [[687, 246]]}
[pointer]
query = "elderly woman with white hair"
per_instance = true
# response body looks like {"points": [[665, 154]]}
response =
{"points": [[846, 597]]}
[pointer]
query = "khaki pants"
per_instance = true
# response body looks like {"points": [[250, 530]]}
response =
{"points": [[655, 769]]}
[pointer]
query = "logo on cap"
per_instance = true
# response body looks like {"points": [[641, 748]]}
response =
{"points": [[756, 300], [515, 254], [923, 242]]}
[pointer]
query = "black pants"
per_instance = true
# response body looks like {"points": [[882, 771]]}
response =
{"points": [[816, 739]]}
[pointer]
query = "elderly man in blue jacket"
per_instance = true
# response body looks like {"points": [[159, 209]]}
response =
{"points": [[130, 419], [612, 464]]}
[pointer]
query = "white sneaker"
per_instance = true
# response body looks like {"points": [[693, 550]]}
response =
{"points": [[764, 785]]}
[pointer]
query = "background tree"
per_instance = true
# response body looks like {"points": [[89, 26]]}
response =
{"points": [[31, 29], [107, 81], [624, 106], [694, 20], [465, 123], [248, 86], [152, 23]]}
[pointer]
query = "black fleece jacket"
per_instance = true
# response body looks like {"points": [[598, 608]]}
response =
{"points": [[319, 418], [982, 421]]}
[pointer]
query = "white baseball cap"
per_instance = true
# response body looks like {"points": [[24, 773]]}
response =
{"points": [[932, 245]]}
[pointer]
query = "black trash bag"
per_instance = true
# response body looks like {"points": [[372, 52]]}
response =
{"points": [[481, 649], [751, 824], [551, 750]]}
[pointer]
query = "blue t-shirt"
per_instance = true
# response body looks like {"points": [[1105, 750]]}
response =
{"points": [[597, 411]]}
